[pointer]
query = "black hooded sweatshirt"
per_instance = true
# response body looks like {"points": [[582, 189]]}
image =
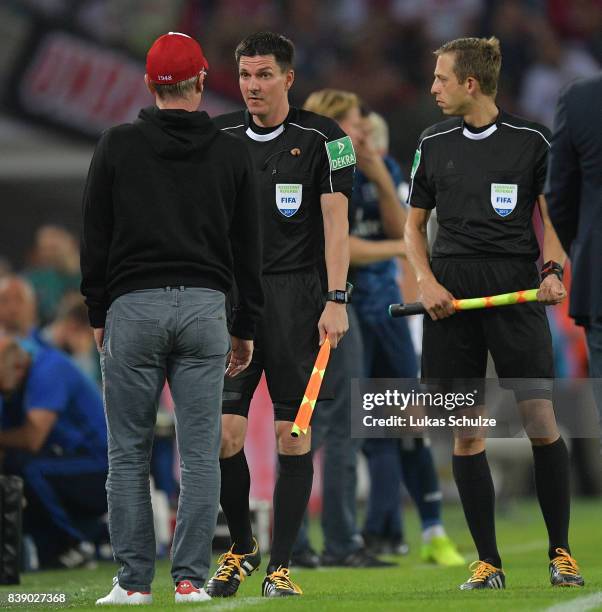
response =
{"points": [[171, 200]]}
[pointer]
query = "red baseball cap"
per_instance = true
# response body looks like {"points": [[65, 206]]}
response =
{"points": [[174, 57]]}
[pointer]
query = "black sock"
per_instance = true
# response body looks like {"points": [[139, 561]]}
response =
{"points": [[473, 479], [234, 498], [552, 469], [291, 494]]}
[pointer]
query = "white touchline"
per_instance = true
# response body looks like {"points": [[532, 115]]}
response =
{"points": [[579, 604], [238, 603]]}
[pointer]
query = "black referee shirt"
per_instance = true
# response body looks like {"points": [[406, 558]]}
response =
{"points": [[484, 185], [296, 163]]}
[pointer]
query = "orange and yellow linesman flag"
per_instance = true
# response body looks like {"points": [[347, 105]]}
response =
{"points": [[308, 403]]}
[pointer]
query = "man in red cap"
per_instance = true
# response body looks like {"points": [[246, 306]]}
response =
{"points": [[170, 219]]}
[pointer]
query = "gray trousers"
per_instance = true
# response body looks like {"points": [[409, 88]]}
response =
{"points": [[154, 335]]}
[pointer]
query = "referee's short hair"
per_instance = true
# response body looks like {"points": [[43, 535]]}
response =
{"points": [[480, 58], [333, 103], [268, 43]]}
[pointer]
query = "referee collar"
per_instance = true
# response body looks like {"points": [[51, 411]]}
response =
{"points": [[264, 134], [481, 133]]}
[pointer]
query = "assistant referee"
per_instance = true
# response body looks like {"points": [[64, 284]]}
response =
{"points": [[484, 170], [304, 165]]}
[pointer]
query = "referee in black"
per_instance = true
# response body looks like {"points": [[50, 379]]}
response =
{"points": [[304, 165], [484, 171]]}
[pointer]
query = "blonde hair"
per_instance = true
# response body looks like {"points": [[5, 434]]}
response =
{"points": [[380, 132], [332, 103], [480, 58]]}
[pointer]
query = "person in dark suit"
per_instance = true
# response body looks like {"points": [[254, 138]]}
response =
{"points": [[574, 194]]}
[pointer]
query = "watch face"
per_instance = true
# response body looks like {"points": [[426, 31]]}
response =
{"points": [[339, 296]]}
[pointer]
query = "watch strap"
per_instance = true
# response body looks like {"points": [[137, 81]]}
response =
{"points": [[551, 267]]}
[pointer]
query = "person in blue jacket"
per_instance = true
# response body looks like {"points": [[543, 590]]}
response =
{"points": [[53, 434]]}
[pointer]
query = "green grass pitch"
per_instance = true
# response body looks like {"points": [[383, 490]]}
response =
{"points": [[412, 586]]}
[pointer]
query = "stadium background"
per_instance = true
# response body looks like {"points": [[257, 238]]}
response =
{"points": [[70, 68]]}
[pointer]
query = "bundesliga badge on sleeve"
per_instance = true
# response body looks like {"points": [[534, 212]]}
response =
{"points": [[340, 153], [415, 163]]}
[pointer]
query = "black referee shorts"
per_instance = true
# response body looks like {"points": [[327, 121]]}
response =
{"points": [[518, 337], [286, 346]]}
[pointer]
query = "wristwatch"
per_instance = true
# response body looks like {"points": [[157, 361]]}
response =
{"points": [[340, 296], [551, 267]]}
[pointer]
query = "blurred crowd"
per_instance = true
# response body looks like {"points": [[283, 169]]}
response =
{"points": [[44, 301], [380, 49]]}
